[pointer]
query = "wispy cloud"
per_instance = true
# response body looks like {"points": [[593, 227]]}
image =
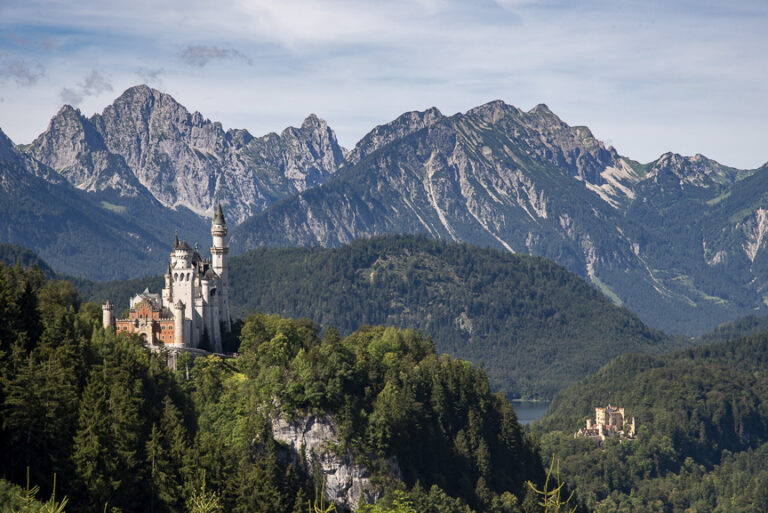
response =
{"points": [[200, 55], [46, 43], [692, 66], [93, 85], [151, 76], [22, 72]]}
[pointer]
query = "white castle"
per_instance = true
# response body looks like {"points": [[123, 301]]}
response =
{"points": [[193, 308]]}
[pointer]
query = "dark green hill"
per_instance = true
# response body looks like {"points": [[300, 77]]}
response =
{"points": [[534, 326], [744, 327], [648, 385], [11, 254], [105, 421], [703, 427]]}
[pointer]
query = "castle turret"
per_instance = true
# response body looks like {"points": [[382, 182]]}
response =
{"points": [[178, 323], [108, 314], [219, 261], [168, 289]]}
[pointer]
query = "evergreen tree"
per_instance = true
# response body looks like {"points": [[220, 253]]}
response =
{"points": [[161, 485], [95, 462], [9, 313]]}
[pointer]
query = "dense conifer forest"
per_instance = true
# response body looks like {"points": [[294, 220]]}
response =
{"points": [[104, 416], [703, 431], [534, 326], [119, 431]]}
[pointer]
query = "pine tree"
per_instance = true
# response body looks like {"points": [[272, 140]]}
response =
{"points": [[9, 314], [160, 479], [29, 320], [95, 463], [175, 441]]}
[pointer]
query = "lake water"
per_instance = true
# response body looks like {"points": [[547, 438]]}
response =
{"points": [[528, 411]]}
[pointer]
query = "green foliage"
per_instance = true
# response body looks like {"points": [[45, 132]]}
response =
{"points": [[125, 433], [746, 326], [703, 430], [391, 395], [533, 326], [204, 501], [551, 498], [14, 499]]}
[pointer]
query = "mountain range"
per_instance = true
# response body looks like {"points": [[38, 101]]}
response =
{"points": [[680, 240]]}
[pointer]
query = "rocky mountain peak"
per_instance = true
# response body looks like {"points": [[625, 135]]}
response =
{"points": [[143, 95], [402, 126], [68, 145], [146, 141], [541, 134], [311, 153], [698, 171], [492, 112], [7, 149], [67, 110], [542, 110], [313, 122]]}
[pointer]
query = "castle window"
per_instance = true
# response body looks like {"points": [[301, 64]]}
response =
{"points": [[175, 276]]}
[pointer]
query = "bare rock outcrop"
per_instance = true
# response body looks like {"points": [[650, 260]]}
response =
{"points": [[346, 482]]}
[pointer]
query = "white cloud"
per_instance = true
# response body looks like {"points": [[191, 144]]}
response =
{"points": [[93, 85], [22, 72], [151, 77], [200, 55], [618, 67]]}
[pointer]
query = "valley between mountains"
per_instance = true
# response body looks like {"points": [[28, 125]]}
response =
{"points": [[362, 281], [681, 241]]}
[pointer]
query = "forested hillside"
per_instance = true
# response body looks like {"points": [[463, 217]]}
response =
{"points": [[703, 431], [743, 327], [120, 431], [534, 326]]}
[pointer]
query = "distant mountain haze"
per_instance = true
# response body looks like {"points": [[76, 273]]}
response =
{"points": [[680, 241]]}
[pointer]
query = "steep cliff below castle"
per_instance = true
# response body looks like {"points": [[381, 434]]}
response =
{"points": [[316, 438]]}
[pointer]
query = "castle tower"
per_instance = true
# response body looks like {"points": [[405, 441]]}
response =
{"points": [[178, 323], [108, 314], [219, 259]]}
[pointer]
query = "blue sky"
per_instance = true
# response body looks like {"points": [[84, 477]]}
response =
{"points": [[647, 77]]}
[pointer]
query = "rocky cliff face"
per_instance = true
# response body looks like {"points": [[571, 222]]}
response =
{"points": [[76, 150], [382, 135], [147, 141], [659, 237], [527, 182], [696, 171], [346, 482]]}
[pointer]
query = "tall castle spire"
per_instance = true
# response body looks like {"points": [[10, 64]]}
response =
{"points": [[218, 218], [219, 252]]}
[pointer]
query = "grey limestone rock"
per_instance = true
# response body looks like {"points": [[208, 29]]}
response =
{"points": [[346, 482], [146, 140]]}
